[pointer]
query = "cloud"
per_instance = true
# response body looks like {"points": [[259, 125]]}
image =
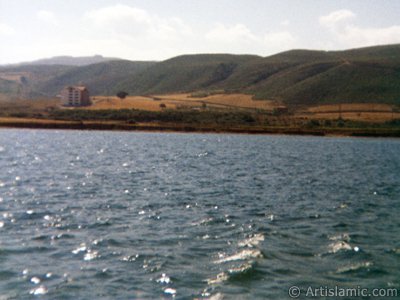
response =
{"points": [[341, 25], [285, 23], [47, 17], [131, 32], [108, 15], [358, 37], [139, 34], [6, 30], [238, 32], [336, 18], [282, 38], [240, 39], [134, 22]]}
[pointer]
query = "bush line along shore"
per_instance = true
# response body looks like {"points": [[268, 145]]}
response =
{"points": [[197, 121]]}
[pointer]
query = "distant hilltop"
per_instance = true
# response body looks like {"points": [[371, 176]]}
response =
{"points": [[70, 60]]}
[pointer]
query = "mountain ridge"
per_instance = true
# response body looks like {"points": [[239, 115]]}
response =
{"points": [[67, 60], [295, 77]]}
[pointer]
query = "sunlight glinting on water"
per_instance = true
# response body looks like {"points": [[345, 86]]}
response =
{"points": [[149, 216]]}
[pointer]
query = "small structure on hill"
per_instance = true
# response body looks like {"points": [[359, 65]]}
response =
{"points": [[75, 96]]}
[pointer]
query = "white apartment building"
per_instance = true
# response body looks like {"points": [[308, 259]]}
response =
{"points": [[75, 96]]}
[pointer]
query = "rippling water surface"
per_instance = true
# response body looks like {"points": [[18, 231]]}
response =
{"points": [[109, 215]]}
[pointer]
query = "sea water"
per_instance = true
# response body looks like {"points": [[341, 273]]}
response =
{"points": [[120, 215]]}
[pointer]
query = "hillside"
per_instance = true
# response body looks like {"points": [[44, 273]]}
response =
{"points": [[26, 79], [334, 82], [185, 73], [47, 80], [359, 75], [101, 78], [296, 77], [8, 87]]}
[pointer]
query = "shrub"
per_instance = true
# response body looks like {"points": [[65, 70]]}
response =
{"points": [[122, 95], [340, 122], [313, 123], [199, 95]]}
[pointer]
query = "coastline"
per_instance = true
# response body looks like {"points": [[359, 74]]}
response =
{"points": [[179, 127]]}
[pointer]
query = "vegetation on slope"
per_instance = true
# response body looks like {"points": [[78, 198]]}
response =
{"points": [[184, 74], [48, 80], [8, 87], [31, 77], [101, 79], [296, 77]]}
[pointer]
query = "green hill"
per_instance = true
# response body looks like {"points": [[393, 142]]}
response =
{"points": [[360, 75], [295, 77], [48, 80], [185, 73], [335, 83], [101, 78], [27, 78], [8, 87]]}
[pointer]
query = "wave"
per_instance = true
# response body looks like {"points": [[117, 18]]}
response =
{"points": [[339, 246], [252, 241], [242, 255], [355, 267]]}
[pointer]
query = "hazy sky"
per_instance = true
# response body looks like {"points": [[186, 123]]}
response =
{"points": [[160, 29]]}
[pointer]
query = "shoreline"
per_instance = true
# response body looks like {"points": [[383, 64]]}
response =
{"points": [[190, 128]]}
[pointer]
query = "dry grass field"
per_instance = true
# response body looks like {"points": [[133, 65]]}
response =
{"points": [[27, 106], [5, 121], [130, 102], [183, 101], [351, 107], [370, 112], [356, 112], [241, 101], [14, 76], [236, 113]]}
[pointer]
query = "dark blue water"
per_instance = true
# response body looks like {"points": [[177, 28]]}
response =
{"points": [[109, 215]]}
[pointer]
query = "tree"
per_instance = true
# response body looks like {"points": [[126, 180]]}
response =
{"points": [[122, 95]]}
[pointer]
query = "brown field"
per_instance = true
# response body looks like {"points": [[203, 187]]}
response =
{"points": [[351, 107], [374, 112], [183, 101], [241, 101], [38, 114], [14, 76], [8, 120], [130, 102], [27, 106], [356, 112], [370, 112]]}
